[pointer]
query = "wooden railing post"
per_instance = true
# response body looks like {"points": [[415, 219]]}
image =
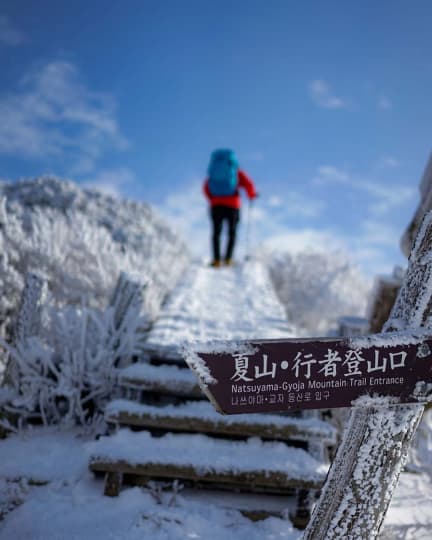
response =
{"points": [[127, 299], [424, 206], [385, 293], [375, 444], [127, 295], [28, 319]]}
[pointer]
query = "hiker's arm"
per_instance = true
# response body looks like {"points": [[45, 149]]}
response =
{"points": [[206, 189], [246, 183]]}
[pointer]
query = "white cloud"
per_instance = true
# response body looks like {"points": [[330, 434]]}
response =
{"points": [[293, 204], [375, 261], [300, 240], [275, 201], [186, 211], [376, 233], [323, 96], [269, 224], [372, 259], [387, 198], [384, 103], [254, 156], [375, 242], [55, 115], [9, 34], [389, 162], [115, 182], [384, 198], [328, 174], [374, 248]]}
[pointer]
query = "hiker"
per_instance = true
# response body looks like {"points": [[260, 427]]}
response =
{"points": [[221, 188]]}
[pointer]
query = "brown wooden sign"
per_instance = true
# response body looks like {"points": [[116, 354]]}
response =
{"points": [[283, 375]]}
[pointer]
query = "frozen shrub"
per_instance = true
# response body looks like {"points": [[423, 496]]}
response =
{"points": [[80, 241], [317, 288], [68, 372]]}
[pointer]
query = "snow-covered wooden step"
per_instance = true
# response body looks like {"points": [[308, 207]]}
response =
{"points": [[253, 465], [164, 356], [168, 380], [200, 416]]}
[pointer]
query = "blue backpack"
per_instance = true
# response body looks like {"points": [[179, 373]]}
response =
{"points": [[222, 173]]}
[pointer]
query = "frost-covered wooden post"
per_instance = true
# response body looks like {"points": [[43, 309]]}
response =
{"points": [[27, 322], [127, 295], [127, 300], [386, 290], [28, 319], [424, 206], [373, 450]]}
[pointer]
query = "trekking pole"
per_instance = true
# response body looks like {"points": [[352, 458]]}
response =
{"points": [[248, 226]]}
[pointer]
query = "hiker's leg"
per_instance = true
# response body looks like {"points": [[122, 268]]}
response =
{"points": [[233, 216], [217, 217]]}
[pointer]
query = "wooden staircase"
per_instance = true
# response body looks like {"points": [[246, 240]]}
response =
{"points": [[164, 429]]}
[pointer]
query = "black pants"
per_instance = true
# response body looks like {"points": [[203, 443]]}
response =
{"points": [[219, 214]]}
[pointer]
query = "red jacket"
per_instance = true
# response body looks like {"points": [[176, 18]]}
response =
{"points": [[233, 201]]}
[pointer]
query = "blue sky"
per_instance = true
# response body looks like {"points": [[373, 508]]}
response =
{"points": [[327, 105]]}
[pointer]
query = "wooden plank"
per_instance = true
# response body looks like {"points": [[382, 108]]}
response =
{"points": [[165, 380], [261, 515], [269, 481], [250, 465], [272, 427], [246, 489], [162, 357], [375, 444], [164, 388]]}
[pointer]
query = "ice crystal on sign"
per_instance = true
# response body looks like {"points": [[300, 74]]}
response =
{"points": [[423, 351]]}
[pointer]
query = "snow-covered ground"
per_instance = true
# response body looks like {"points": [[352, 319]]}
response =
{"points": [[227, 304], [71, 505]]}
